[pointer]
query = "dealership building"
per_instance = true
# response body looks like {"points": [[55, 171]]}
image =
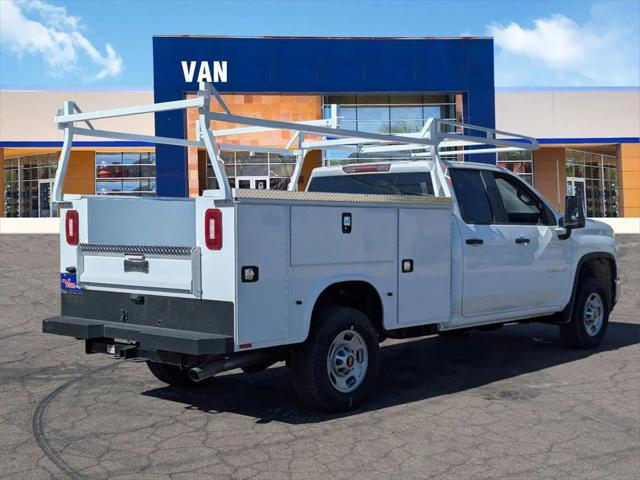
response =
{"points": [[589, 137]]}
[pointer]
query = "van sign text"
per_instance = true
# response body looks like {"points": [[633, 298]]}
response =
{"points": [[212, 72]]}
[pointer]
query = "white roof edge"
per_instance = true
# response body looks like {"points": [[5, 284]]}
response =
{"points": [[597, 89]]}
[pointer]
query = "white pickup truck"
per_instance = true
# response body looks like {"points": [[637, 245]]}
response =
{"points": [[246, 278]]}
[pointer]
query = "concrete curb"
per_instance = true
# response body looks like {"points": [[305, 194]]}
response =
{"points": [[622, 225], [29, 225]]}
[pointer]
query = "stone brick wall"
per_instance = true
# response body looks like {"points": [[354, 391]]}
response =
{"points": [[548, 163], [290, 108], [629, 178]]}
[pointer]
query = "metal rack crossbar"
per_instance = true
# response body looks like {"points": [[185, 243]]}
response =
{"points": [[430, 141]]}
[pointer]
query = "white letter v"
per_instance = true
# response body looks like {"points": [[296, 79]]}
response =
{"points": [[189, 71]]}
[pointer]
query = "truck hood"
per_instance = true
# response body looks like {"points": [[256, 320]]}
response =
{"points": [[595, 227]]}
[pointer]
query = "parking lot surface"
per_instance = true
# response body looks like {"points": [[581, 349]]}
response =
{"points": [[511, 403]]}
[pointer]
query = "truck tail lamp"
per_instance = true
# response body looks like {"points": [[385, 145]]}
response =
{"points": [[213, 228], [71, 227]]}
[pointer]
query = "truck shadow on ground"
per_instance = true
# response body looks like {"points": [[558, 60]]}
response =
{"points": [[411, 370]]}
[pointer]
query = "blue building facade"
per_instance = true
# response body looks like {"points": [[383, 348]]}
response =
{"points": [[318, 66]]}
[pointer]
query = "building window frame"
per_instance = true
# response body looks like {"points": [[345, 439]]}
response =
{"points": [[520, 163], [116, 169], [44, 170], [352, 109], [600, 174], [253, 165]]}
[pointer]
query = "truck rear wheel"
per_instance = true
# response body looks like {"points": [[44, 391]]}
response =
{"points": [[589, 319], [338, 365], [171, 374]]}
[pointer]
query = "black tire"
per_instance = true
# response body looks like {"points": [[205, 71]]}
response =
{"points": [[171, 374], [310, 360], [575, 334]]}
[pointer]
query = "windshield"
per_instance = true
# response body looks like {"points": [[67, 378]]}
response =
{"points": [[411, 183]]}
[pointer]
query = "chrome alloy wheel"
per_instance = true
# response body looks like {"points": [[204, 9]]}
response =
{"points": [[347, 361], [593, 315]]}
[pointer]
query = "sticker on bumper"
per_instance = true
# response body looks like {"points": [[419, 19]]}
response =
{"points": [[68, 283]]}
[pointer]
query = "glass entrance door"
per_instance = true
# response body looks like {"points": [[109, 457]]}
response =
{"points": [[255, 183], [578, 187], [46, 208]]}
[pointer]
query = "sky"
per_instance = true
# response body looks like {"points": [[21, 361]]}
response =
{"points": [[106, 45]]}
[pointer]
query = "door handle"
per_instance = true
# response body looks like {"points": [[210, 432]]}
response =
{"points": [[474, 241], [523, 240]]}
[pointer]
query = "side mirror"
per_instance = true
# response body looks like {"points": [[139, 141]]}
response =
{"points": [[573, 213]]}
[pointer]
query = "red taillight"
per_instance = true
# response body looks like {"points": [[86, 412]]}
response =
{"points": [[71, 227], [213, 229], [380, 167]]}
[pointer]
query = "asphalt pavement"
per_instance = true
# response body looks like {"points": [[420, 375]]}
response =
{"points": [[512, 403]]}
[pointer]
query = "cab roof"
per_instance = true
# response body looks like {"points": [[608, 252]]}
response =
{"points": [[399, 166], [395, 166]]}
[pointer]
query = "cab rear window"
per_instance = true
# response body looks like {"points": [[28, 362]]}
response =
{"points": [[375, 183]]}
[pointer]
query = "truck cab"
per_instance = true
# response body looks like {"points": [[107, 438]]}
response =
{"points": [[513, 258]]}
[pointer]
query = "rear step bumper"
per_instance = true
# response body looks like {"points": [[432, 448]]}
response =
{"points": [[147, 337], [156, 323]]}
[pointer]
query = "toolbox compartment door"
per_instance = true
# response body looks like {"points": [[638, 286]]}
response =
{"points": [[424, 259], [140, 268], [145, 245]]}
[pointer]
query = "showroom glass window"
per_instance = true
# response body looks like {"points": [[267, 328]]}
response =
{"points": [[596, 175], [125, 173], [520, 163], [253, 169], [385, 114], [27, 185]]}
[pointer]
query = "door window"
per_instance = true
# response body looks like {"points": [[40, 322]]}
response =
{"points": [[521, 206], [472, 196], [576, 186], [44, 198]]}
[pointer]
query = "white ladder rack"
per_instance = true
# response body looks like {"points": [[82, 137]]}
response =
{"points": [[429, 142]]}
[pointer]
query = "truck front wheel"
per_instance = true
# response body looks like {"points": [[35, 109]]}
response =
{"points": [[589, 318], [338, 364]]}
